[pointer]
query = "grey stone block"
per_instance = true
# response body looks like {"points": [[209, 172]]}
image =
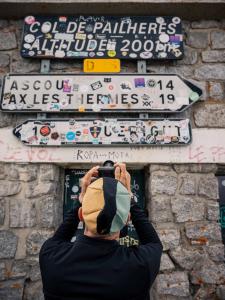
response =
{"points": [[22, 172], [2, 271], [48, 211], [216, 252], [195, 168], [209, 273], [2, 211], [187, 184], [205, 292], [216, 90], [163, 183], [7, 40], [190, 57], [33, 291], [185, 258], [213, 56], [160, 167], [212, 212], [9, 188], [8, 244], [4, 60], [20, 268], [23, 65], [40, 189], [210, 72], [49, 172], [198, 39], [67, 66], [220, 292], [160, 209], [211, 115], [218, 39], [2, 171], [175, 283], [166, 263], [22, 213], [12, 289], [35, 240], [187, 209], [6, 119], [202, 233], [12, 172], [205, 24], [208, 186], [170, 238], [185, 71], [35, 273]]}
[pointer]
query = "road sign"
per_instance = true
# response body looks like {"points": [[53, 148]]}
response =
{"points": [[72, 191], [101, 65], [97, 93], [104, 132], [143, 37]]}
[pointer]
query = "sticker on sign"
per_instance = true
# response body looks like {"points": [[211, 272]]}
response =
{"points": [[113, 132], [97, 93], [101, 65]]}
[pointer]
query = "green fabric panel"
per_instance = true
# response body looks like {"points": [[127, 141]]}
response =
{"points": [[123, 208]]}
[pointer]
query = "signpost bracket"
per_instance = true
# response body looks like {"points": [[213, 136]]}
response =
{"points": [[141, 66], [45, 68], [143, 116], [41, 116]]}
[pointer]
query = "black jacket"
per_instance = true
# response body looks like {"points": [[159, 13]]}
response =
{"points": [[92, 268]]}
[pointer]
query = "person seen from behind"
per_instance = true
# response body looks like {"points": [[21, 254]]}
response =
{"points": [[96, 266]]}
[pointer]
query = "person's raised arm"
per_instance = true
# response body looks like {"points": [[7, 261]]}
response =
{"points": [[69, 226], [150, 248]]}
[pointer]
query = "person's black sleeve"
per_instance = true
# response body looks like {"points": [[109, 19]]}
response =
{"points": [[144, 228], [67, 229], [150, 248]]}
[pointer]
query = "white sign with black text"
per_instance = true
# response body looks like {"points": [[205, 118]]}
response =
{"points": [[98, 93]]}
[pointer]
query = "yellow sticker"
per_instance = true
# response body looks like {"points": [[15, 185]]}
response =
{"points": [[81, 108], [111, 53], [101, 65]]}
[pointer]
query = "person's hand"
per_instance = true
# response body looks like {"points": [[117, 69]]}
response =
{"points": [[86, 180], [122, 175]]}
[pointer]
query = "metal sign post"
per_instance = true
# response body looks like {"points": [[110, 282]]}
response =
{"points": [[45, 68]]}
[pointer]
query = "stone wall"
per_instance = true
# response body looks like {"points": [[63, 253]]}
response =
{"points": [[31, 206], [182, 198], [185, 211]]}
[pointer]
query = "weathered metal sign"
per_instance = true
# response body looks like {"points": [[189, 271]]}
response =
{"points": [[144, 37], [101, 65], [104, 132], [97, 93]]}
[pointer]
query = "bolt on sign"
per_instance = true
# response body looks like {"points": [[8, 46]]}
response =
{"points": [[101, 65], [97, 93], [105, 132], [72, 191], [134, 37]]}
